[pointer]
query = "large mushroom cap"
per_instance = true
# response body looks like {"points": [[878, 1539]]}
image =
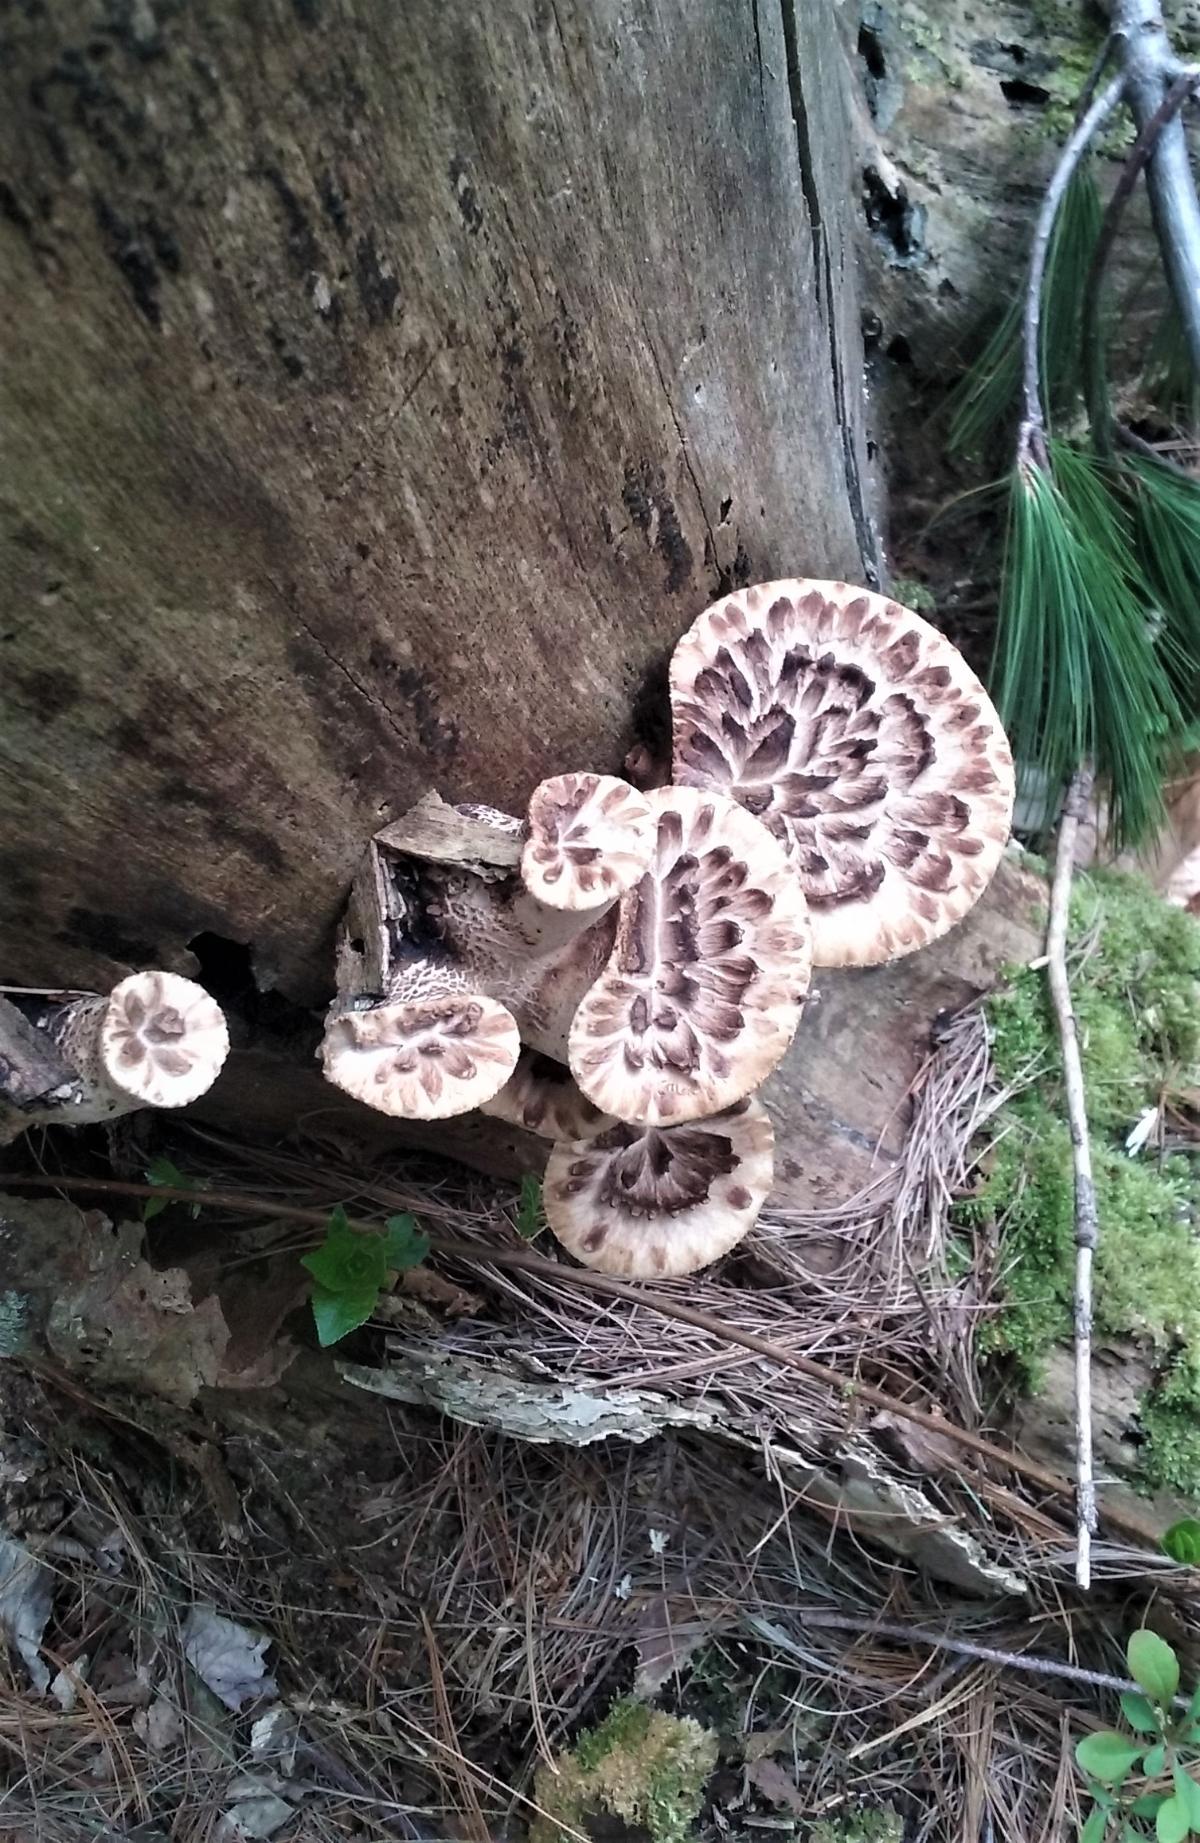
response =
{"points": [[702, 993], [423, 1058], [648, 1202], [863, 740], [162, 1039], [590, 839]]}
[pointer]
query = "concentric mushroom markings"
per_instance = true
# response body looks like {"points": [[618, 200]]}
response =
{"points": [[424, 1058], [864, 742], [590, 839], [162, 1039], [655, 1201], [541, 1096], [702, 993]]}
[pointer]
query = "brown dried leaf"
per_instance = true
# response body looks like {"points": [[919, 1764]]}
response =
{"points": [[771, 1780]]}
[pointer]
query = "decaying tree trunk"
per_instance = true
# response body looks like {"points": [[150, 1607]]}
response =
{"points": [[386, 388]]}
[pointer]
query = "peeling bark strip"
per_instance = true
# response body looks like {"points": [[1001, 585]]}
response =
{"points": [[376, 374]]}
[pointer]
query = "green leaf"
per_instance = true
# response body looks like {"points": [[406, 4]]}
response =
{"points": [[163, 1171], [1140, 1713], [1107, 1757], [1153, 1666], [404, 1244], [1148, 1804], [1093, 1830], [1155, 1761], [1172, 1825], [1182, 1542], [1188, 1794], [347, 1261], [530, 1220], [337, 1314], [1194, 1704]]}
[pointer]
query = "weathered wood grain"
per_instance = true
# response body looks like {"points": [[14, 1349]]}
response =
{"points": [[386, 388]]}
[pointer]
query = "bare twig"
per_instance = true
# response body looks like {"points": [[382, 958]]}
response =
{"points": [[1086, 1226], [1032, 439], [1149, 65], [940, 1641], [1149, 137]]}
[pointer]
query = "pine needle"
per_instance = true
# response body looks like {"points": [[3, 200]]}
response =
{"points": [[1078, 675], [1168, 377], [1166, 525], [986, 396]]}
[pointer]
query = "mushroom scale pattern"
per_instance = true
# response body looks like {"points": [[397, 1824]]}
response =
{"points": [[702, 992], [655, 1202], [861, 738]]}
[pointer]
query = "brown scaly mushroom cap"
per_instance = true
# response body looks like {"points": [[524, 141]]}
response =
{"points": [[590, 839], [541, 1096], [702, 993], [649, 1202], [432, 1049], [863, 740], [161, 1039]]}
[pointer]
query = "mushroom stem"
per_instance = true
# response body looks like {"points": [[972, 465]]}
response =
{"points": [[156, 1040]]}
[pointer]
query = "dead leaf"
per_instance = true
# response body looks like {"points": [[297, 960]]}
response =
{"points": [[669, 1630], [159, 1726], [26, 1597], [770, 1779], [226, 1657]]}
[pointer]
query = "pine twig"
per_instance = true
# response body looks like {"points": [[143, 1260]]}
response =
{"points": [[1086, 1218], [1032, 440], [1149, 66], [1149, 137]]}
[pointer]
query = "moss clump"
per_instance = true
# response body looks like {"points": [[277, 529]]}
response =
{"points": [[879, 1826], [1138, 1004], [639, 1765]]}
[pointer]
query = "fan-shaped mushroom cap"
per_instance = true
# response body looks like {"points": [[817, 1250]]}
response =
{"points": [[590, 839], [860, 736], [648, 1202], [702, 993], [542, 1096], [161, 1039], [427, 1054]]}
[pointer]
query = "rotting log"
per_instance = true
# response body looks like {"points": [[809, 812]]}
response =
{"points": [[386, 389]]}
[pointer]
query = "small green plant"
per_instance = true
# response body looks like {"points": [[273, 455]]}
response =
{"points": [[1127, 1775], [1182, 1542], [162, 1171], [644, 1767], [351, 1266], [530, 1219]]}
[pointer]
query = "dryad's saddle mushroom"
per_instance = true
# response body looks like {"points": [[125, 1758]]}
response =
{"points": [[651, 1201], [842, 792], [861, 738], [157, 1040]]}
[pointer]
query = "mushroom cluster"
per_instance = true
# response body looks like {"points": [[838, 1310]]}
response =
{"points": [[620, 971]]}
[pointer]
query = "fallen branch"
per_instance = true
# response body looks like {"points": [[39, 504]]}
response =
{"points": [[1086, 1222], [479, 1254]]}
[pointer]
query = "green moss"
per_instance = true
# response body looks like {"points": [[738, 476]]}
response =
{"points": [[913, 594], [882, 1825], [644, 1767], [1137, 998]]}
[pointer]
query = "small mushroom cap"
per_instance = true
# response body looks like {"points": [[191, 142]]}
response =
{"points": [[860, 736], [702, 992], [541, 1096], [649, 1202], [590, 839], [423, 1058], [162, 1039]]}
